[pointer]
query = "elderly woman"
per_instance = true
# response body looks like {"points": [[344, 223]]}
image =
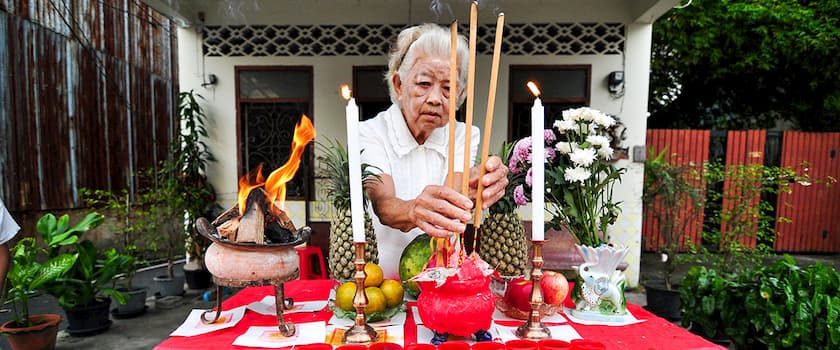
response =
{"points": [[409, 143]]}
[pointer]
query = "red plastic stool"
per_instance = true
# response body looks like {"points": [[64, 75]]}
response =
{"points": [[311, 256]]}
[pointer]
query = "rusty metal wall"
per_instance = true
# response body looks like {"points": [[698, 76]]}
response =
{"points": [[88, 92]]}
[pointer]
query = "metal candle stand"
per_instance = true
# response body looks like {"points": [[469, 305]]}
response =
{"points": [[533, 327], [280, 301], [360, 332]]}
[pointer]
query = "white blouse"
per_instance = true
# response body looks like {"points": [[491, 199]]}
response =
{"points": [[387, 143]]}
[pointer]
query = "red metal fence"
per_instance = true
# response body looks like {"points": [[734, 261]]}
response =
{"points": [[89, 90], [812, 209]]}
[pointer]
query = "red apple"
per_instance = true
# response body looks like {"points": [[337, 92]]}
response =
{"points": [[518, 294], [554, 287]]}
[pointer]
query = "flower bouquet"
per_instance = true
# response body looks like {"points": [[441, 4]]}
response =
{"points": [[579, 181]]}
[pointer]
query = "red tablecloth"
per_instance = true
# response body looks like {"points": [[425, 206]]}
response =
{"points": [[654, 333]]}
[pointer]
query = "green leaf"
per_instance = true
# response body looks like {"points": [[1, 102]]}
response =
{"points": [[52, 270]]}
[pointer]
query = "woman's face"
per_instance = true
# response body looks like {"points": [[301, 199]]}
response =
{"points": [[424, 95]]}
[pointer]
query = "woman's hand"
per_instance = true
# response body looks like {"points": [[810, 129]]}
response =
{"points": [[495, 181], [441, 211], [438, 210]]}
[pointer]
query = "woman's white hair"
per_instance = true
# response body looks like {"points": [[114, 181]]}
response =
{"points": [[429, 39]]}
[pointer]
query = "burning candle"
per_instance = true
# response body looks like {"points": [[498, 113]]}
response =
{"points": [[357, 209], [538, 166]]}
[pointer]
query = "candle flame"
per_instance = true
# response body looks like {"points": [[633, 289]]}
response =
{"points": [[345, 92], [534, 88]]}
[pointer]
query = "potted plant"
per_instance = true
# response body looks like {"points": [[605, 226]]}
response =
{"points": [[129, 225], [579, 181], [190, 157], [30, 273], [741, 235], [674, 197], [164, 220], [85, 290]]}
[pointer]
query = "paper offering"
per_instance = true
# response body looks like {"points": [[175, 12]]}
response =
{"points": [[266, 306], [612, 320], [194, 326], [389, 334], [561, 332], [498, 315], [270, 336], [397, 320]]}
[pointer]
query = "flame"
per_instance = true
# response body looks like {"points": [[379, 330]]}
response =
{"points": [[248, 182], [534, 88], [275, 185], [345, 92]]}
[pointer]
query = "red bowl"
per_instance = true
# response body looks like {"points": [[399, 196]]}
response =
{"points": [[385, 346], [585, 344], [521, 344], [454, 345], [420, 346], [488, 345], [553, 344]]}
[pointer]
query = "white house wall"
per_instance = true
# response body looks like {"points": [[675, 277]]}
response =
{"points": [[329, 72]]}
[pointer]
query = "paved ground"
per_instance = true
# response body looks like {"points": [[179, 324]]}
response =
{"points": [[149, 329]]}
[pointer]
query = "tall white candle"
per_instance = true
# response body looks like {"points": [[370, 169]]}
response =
{"points": [[538, 170], [357, 208]]}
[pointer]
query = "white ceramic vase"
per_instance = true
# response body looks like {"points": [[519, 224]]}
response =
{"points": [[599, 289]]}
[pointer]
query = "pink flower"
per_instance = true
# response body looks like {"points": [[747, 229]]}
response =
{"points": [[521, 154], [529, 178], [549, 154], [519, 195], [549, 137]]}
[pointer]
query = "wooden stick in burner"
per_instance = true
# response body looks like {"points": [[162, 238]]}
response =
{"points": [[488, 119], [252, 224]]}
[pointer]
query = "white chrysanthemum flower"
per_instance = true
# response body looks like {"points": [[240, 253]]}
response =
{"points": [[564, 125], [598, 140], [587, 114], [576, 174], [564, 147], [582, 157], [604, 120], [606, 152], [570, 115]]}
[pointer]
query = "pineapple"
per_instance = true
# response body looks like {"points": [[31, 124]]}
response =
{"points": [[502, 241], [333, 165]]}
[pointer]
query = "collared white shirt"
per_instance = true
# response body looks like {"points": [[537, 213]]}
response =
{"points": [[8, 227], [387, 143]]}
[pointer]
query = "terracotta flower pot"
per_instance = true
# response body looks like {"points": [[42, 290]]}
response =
{"points": [[41, 336]]}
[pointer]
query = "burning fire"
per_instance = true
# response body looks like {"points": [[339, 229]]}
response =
{"points": [[534, 88], [275, 185], [345, 92]]}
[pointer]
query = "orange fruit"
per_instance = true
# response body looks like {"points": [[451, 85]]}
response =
{"points": [[376, 300], [344, 296], [393, 292], [374, 275]]}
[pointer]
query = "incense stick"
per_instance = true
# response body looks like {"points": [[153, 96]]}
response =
{"points": [[465, 175], [488, 120], [465, 178], [453, 100]]}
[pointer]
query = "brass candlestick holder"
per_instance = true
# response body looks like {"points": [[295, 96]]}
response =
{"points": [[361, 332], [533, 328]]}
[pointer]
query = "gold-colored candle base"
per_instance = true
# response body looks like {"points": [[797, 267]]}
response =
{"points": [[533, 328], [360, 332]]}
